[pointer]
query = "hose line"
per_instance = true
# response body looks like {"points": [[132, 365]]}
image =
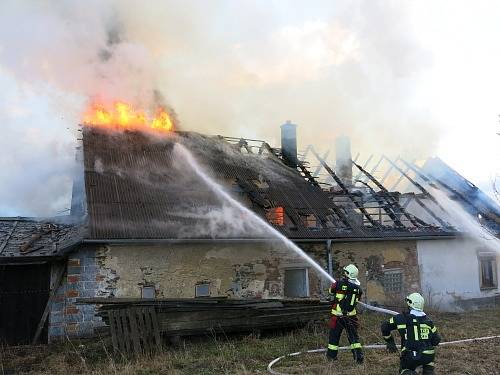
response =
{"points": [[372, 346]]}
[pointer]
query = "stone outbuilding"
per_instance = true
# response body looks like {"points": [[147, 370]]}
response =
{"points": [[147, 222]]}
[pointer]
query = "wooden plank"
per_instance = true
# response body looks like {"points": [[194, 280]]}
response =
{"points": [[189, 318], [174, 318], [156, 327], [119, 330], [277, 319], [128, 328], [148, 329], [134, 333], [112, 326], [143, 334], [122, 320], [52, 296], [148, 326]]}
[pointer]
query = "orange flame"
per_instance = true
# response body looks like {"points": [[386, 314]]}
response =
{"points": [[121, 115]]}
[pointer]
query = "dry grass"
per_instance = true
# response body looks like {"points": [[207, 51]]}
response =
{"points": [[250, 355]]}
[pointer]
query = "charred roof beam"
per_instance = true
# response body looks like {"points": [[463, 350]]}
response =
{"points": [[486, 212], [320, 166], [346, 191], [307, 175], [391, 200], [364, 166], [387, 207], [362, 177], [423, 190]]}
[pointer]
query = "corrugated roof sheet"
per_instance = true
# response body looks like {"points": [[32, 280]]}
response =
{"points": [[136, 188]]}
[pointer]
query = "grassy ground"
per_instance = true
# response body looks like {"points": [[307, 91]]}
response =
{"points": [[250, 355]]}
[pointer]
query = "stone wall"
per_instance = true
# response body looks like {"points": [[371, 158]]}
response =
{"points": [[233, 269], [237, 270], [373, 258]]}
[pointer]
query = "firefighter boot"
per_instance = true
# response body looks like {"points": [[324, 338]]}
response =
{"points": [[358, 355], [331, 357], [428, 369], [408, 372]]}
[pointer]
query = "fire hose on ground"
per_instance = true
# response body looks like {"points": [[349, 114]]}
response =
{"points": [[372, 346], [220, 191]]}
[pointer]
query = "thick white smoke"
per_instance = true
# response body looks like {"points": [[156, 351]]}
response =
{"points": [[233, 68], [466, 223]]}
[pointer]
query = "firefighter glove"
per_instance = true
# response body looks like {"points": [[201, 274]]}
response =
{"points": [[391, 346]]}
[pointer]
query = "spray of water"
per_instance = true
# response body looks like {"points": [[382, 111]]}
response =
{"points": [[182, 152], [466, 223]]}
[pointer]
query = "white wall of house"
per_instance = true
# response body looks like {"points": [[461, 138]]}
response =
{"points": [[450, 272]]}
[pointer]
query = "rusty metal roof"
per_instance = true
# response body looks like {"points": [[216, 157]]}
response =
{"points": [[136, 188]]}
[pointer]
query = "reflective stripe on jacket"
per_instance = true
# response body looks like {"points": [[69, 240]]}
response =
{"points": [[346, 296]]}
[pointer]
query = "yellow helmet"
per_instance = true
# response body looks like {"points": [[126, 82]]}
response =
{"points": [[351, 271], [415, 301]]}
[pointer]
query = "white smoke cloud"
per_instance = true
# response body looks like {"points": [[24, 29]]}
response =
{"points": [[466, 223], [349, 67]]}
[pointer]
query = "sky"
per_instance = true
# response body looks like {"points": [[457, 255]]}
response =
{"points": [[411, 78]]}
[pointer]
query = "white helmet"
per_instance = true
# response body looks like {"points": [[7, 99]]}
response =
{"points": [[351, 271], [415, 301]]}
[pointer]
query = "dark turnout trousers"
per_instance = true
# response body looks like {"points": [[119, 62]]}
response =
{"points": [[350, 324], [408, 364]]}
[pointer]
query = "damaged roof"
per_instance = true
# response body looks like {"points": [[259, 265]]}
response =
{"points": [[30, 238], [139, 187], [469, 196]]}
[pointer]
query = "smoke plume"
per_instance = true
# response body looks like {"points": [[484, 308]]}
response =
{"points": [[229, 68]]}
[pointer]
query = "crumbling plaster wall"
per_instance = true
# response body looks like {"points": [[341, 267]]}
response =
{"points": [[238, 270], [373, 258]]}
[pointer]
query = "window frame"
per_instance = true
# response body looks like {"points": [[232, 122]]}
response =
{"points": [[307, 286], [304, 218], [490, 257], [388, 271], [148, 287], [196, 295], [274, 217]]}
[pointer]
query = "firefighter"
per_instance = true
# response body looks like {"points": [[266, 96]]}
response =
{"points": [[346, 293], [418, 334]]}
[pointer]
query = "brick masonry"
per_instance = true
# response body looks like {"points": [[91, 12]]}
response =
{"points": [[82, 280]]}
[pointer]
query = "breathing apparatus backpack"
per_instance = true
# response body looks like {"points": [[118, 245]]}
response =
{"points": [[418, 337], [346, 296]]}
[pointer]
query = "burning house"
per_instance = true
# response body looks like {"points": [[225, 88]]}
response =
{"points": [[143, 224]]}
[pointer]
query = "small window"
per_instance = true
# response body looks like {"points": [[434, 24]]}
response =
{"points": [[296, 283], [488, 271], [393, 281], [202, 290], [310, 221], [276, 216], [148, 291]]}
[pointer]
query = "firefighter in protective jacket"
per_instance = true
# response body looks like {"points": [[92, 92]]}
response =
{"points": [[346, 293], [419, 336]]}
